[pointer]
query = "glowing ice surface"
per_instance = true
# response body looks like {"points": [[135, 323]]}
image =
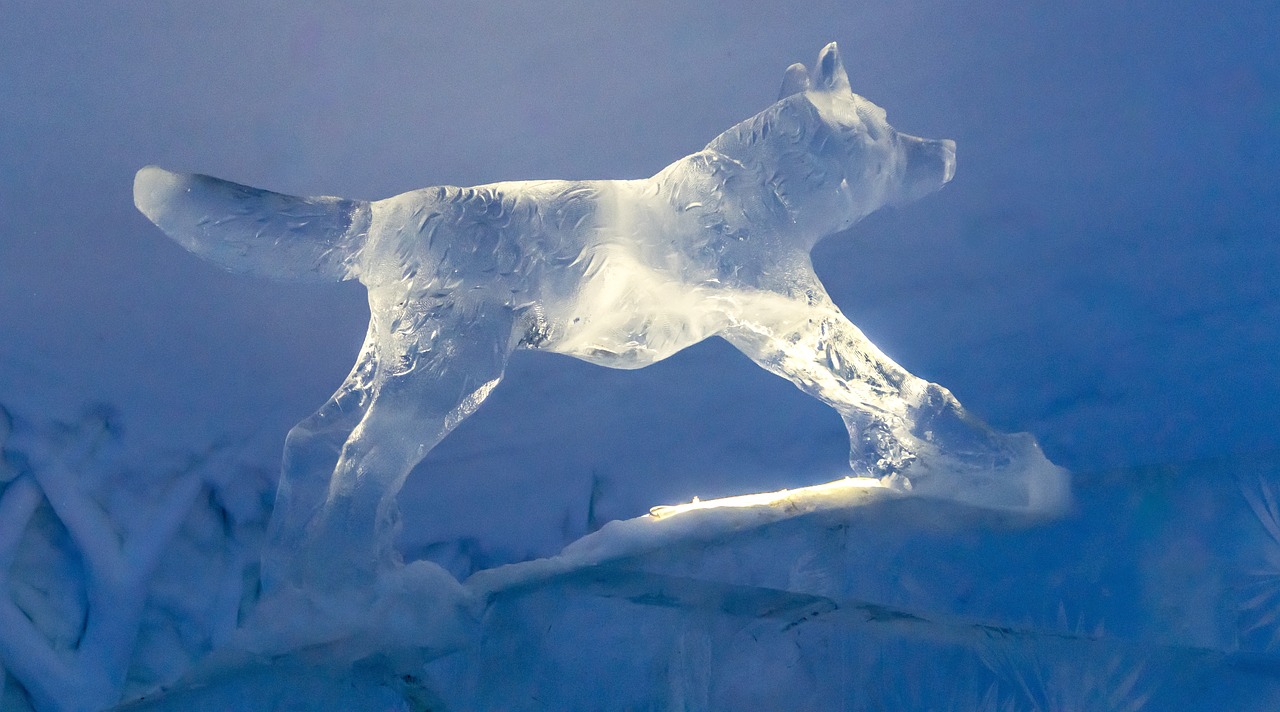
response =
{"points": [[782, 498], [621, 273]]}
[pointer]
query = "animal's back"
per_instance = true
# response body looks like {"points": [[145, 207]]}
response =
{"points": [[496, 241], [607, 271]]}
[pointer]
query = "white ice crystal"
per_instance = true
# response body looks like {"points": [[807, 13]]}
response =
{"points": [[621, 273]]}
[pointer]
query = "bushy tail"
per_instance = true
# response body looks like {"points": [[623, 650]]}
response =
{"points": [[254, 231]]}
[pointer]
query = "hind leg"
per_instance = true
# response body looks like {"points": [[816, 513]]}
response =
{"points": [[420, 391], [311, 451]]}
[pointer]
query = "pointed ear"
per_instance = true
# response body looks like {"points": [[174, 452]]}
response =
{"points": [[829, 75], [796, 80]]}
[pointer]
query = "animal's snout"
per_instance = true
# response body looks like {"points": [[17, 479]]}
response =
{"points": [[930, 164], [949, 159]]}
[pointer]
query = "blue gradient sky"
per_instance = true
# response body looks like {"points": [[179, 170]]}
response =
{"points": [[1102, 272]]}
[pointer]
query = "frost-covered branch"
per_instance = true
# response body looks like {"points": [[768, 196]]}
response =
{"points": [[1259, 604], [45, 674], [90, 527], [17, 504], [116, 574], [23, 650], [7, 470], [142, 552]]}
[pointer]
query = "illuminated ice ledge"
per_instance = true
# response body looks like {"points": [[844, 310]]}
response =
{"points": [[848, 595], [730, 521], [774, 555], [804, 496], [694, 523]]}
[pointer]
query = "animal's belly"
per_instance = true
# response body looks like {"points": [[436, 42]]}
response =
{"points": [[628, 341], [629, 317]]}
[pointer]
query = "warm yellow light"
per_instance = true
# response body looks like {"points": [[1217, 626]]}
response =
{"points": [[769, 499]]}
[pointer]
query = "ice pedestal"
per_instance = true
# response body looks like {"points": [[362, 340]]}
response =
{"points": [[850, 598], [884, 603]]}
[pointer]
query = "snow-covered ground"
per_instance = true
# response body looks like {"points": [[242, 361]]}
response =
{"points": [[1101, 273], [841, 596]]}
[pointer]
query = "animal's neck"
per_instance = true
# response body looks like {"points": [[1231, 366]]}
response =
{"points": [[782, 129], [776, 150]]}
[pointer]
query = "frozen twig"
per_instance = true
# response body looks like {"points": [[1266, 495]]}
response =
{"points": [[45, 674], [23, 650], [17, 504], [7, 470], [142, 552], [117, 572], [90, 527], [1263, 503], [1259, 605]]}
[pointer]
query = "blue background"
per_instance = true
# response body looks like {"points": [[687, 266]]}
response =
{"points": [[1102, 272]]}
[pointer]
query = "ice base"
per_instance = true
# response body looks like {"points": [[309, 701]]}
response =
{"points": [[839, 597]]}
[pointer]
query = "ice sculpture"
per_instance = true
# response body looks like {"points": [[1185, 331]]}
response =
{"points": [[621, 273]]}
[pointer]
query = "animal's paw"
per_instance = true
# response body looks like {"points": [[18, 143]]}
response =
{"points": [[1019, 479], [419, 606]]}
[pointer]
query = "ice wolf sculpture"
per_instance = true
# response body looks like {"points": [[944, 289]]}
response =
{"points": [[621, 273]]}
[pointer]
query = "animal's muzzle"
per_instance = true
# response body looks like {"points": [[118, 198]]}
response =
{"points": [[930, 164]]}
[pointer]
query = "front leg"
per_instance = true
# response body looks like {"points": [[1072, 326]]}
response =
{"points": [[902, 429]]}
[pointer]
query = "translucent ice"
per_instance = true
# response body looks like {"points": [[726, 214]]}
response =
{"points": [[621, 273]]}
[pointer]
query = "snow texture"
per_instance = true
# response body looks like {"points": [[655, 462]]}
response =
{"points": [[117, 575], [617, 273], [845, 596], [141, 585]]}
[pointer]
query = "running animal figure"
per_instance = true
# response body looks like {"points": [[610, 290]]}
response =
{"points": [[621, 273]]}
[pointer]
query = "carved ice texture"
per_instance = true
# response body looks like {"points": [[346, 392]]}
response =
{"points": [[620, 273]]}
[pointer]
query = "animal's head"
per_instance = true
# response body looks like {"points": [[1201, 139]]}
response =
{"points": [[830, 154], [859, 137]]}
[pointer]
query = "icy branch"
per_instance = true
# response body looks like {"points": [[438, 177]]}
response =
{"points": [[116, 574], [142, 552], [23, 649], [7, 470], [17, 504], [90, 528], [46, 675]]}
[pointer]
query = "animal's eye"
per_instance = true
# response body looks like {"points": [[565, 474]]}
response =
{"points": [[874, 128]]}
